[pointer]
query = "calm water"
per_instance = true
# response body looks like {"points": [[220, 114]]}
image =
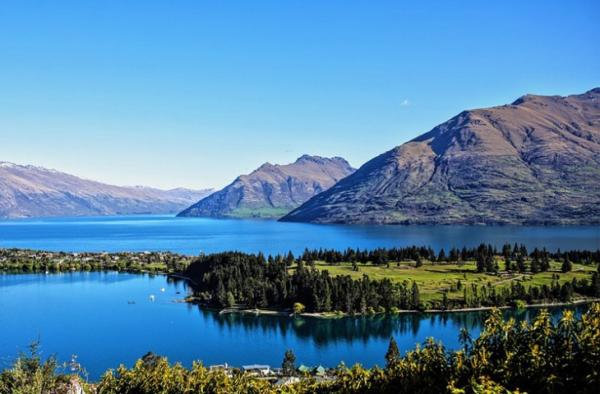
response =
{"points": [[192, 235], [89, 314]]}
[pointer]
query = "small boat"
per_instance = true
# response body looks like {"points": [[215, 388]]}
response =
{"points": [[152, 297], [162, 289]]}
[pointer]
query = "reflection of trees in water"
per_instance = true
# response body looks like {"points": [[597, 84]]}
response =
{"points": [[353, 329]]}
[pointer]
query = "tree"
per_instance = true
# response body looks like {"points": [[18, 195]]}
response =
{"points": [[418, 262], [520, 263], [507, 264], [480, 263], [289, 260], [416, 297], [288, 366], [298, 307], [392, 356], [464, 337], [230, 299], [566, 265], [442, 255]]}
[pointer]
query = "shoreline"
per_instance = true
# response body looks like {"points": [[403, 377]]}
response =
{"points": [[334, 315]]}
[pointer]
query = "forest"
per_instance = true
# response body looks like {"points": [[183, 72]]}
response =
{"points": [[225, 280]]}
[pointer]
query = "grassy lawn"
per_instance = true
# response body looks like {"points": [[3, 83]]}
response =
{"points": [[433, 279]]}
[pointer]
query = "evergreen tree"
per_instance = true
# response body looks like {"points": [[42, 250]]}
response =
{"points": [[289, 260], [521, 263], [416, 297], [442, 255], [419, 262], [567, 266], [480, 263], [392, 356]]}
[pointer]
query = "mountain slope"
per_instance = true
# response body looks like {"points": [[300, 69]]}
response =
{"points": [[29, 191], [534, 161], [273, 190]]}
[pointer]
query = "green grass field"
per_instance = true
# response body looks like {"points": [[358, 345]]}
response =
{"points": [[433, 279], [261, 213]]}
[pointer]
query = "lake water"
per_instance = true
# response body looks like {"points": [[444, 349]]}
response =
{"points": [[192, 235], [108, 319]]}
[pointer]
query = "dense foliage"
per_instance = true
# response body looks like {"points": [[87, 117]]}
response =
{"points": [[414, 253], [33, 261], [235, 278], [535, 357], [226, 278]]}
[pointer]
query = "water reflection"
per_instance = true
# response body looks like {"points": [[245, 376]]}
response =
{"points": [[325, 331]]}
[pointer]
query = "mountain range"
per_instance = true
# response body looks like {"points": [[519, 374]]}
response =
{"points": [[535, 161], [31, 191], [273, 190]]}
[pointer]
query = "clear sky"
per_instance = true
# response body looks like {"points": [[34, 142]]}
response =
{"points": [[193, 93]]}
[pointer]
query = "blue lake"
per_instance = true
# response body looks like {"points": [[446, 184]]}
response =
{"points": [[192, 235], [108, 319]]}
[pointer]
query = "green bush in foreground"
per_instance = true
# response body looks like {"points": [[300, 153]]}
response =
{"points": [[535, 357]]}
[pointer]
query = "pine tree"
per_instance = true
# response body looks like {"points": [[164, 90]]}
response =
{"points": [[566, 265], [419, 262], [442, 255], [480, 263], [416, 297], [289, 260], [520, 263], [392, 356]]}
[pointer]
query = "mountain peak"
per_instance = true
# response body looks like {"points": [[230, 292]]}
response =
{"points": [[272, 190], [594, 90], [536, 161]]}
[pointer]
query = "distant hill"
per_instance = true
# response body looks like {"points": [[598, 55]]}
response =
{"points": [[273, 190], [534, 161], [29, 191]]}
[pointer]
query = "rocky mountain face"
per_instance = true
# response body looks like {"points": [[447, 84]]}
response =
{"points": [[273, 190], [29, 191], [535, 161]]}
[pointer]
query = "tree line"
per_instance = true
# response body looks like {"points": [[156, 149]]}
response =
{"points": [[416, 253]]}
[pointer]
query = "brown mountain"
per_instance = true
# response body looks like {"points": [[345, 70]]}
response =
{"points": [[273, 190], [536, 160], [30, 191]]}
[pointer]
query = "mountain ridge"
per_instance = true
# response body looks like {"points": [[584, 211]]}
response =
{"points": [[272, 190], [35, 191], [535, 161]]}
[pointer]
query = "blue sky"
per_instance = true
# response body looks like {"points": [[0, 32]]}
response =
{"points": [[193, 93]]}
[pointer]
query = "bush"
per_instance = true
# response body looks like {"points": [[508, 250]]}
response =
{"points": [[298, 308]]}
